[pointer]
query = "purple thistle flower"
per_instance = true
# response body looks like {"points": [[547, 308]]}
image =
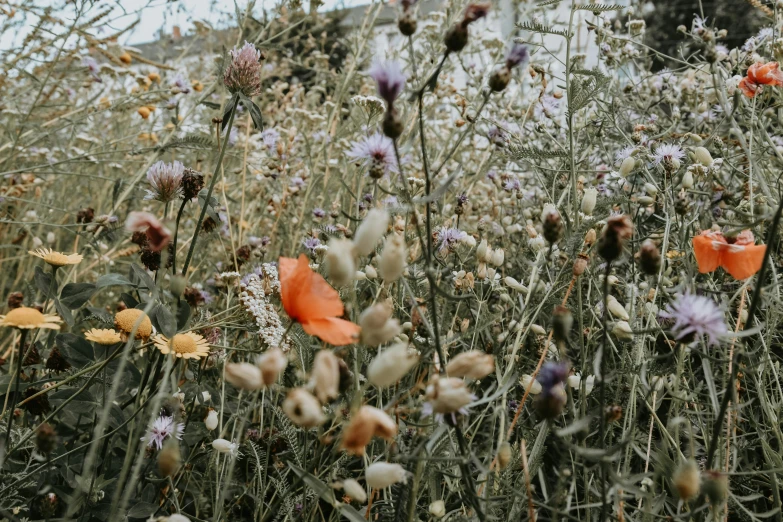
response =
{"points": [[93, 67], [551, 374], [517, 56], [695, 316], [270, 137], [319, 212], [297, 182], [163, 428], [667, 152], [512, 185], [166, 181], [375, 152], [243, 73], [449, 238], [390, 80], [311, 243]]}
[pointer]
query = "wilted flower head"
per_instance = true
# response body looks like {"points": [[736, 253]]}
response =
{"points": [[617, 231], [243, 73], [390, 80], [158, 236], [375, 152], [517, 56], [165, 180], [475, 12], [695, 316], [381, 475], [162, 429]]}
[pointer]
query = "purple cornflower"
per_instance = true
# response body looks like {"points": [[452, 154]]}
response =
{"points": [[695, 316], [319, 212], [517, 56], [551, 374], [512, 185], [449, 238], [311, 243], [297, 182], [163, 428], [497, 136], [367, 198], [623, 153], [552, 377], [667, 153], [375, 152], [93, 67], [243, 73], [166, 181], [181, 84], [270, 137], [390, 80]]}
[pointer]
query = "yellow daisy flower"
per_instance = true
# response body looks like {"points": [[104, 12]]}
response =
{"points": [[29, 318], [56, 258], [107, 336], [125, 320], [186, 345]]}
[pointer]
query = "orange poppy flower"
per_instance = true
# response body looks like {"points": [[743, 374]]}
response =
{"points": [[761, 74], [739, 257], [309, 300]]}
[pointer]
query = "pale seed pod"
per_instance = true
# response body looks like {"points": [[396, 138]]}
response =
{"points": [[504, 455], [380, 475], [244, 375], [303, 409], [354, 490], [211, 421], [325, 377], [703, 156], [392, 260], [371, 230], [616, 309], [377, 324], [687, 480], [391, 365], [471, 364], [271, 363], [623, 331], [340, 264], [589, 199], [169, 458], [627, 166]]}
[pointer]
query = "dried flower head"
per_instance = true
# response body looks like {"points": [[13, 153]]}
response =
{"points": [[56, 258], [303, 408], [471, 364], [391, 364], [158, 236], [243, 73], [366, 423], [616, 232]]}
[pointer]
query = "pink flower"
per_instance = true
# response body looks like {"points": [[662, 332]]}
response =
{"points": [[390, 80], [158, 236], [243, 73]]}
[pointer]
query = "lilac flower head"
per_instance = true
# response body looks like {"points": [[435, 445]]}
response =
{"points": [[552, 399], [297, 181], [623, 153], [517, 56], [512, 185], [695, 316], [181, 84], [243, 73], [270, 137], [449, 238], [162, 429], [319, 212], [311, 243], [93, 67], [551, 374], [165, 180], [390, 80], [375, 152], [667, 153]]}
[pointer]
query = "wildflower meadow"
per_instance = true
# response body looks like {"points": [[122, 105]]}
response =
{"points": [[416, 261]]}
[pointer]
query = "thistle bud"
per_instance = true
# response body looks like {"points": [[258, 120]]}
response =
{"points": [[371, 230], [303, 409], [715, 486], [472, 364], [392, 124], [649, 257], [380, 475], [500, 79], [340, 264], [390, 365], [562, 322], [407, 24], [590, 237], [617, 231], [687, 480], [589, 199], [243, 73], [325, 377], [46, 438], [552, 224], [553, 397]]}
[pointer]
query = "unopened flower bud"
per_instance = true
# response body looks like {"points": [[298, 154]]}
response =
{"points": [[649, 257], [504, 455], [715, 486], [392, 260], [371, 230], [589, 199], [580, 265], [225, 446], [590, 237], [46, 438], [627, 166], [377, 324], [392, 124], [380, 475], [617, 231], [616, 309], [552, 224], [500, 79], [390, 365], [303, 408], [472, 364], [271, 363], [325, 376], [354, 490], [211, 421], [526, 381], [407, 23], [562, 321], [481, 250], [623, 331], [244, 375], [366, 423], [498, 256], [703, 156], [437, 509], [340, 264], [687, 480], [169, 458]]}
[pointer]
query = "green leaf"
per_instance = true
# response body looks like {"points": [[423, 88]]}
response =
{"points": [[140, 277], [164, 320], [74, 295], [112, 280], [252, 108], [599, 8], [538, 27], [64, 312], [142, 510], [183, 314], [43, 282], [128, 300], [227, 112], [75, 349], [213, 105], [202, 197]]}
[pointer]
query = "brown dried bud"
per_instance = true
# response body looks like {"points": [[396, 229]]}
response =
{"points": [[85, 215], [169, 458], [407, 24], [649, 258], [243, 255], [580, 265], [32, 356], [15, 300], [456, 38], [552, 226], [613, 413], [687, 480], [617, 231], [500, 79], [590, 237], [504, 455], [150, 260], [392, 125], [38, 406], [192, 183], [56, 362], [46, 438]]}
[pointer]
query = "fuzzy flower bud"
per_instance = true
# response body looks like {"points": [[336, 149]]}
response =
{"points": [[377, 324], [392, 260], [552, 224], [380, 475], [243, 73], [165, 180], [703, 156], [365, 424], [354, 490], [623, 331], [244, 375], [589, 199], [390, 365], [303, 408], [627, 166], [371, 230], [437, 509], [325, 377], [448, 395], [472, 364], [649, 257], [271, 363], [617, 231], [225, 446], [340, 263], [211, 421], [687, 480]]}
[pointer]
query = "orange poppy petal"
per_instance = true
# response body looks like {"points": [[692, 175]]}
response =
{"points": [[332, 330], [747, 87], [306, 295], [742, 264], [707, 256], [293, 277]]}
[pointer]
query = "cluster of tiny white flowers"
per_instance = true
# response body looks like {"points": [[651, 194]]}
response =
{"points": [[254, 298]]}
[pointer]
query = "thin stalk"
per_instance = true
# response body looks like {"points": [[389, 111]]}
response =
{"points": [[17, 373]]}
